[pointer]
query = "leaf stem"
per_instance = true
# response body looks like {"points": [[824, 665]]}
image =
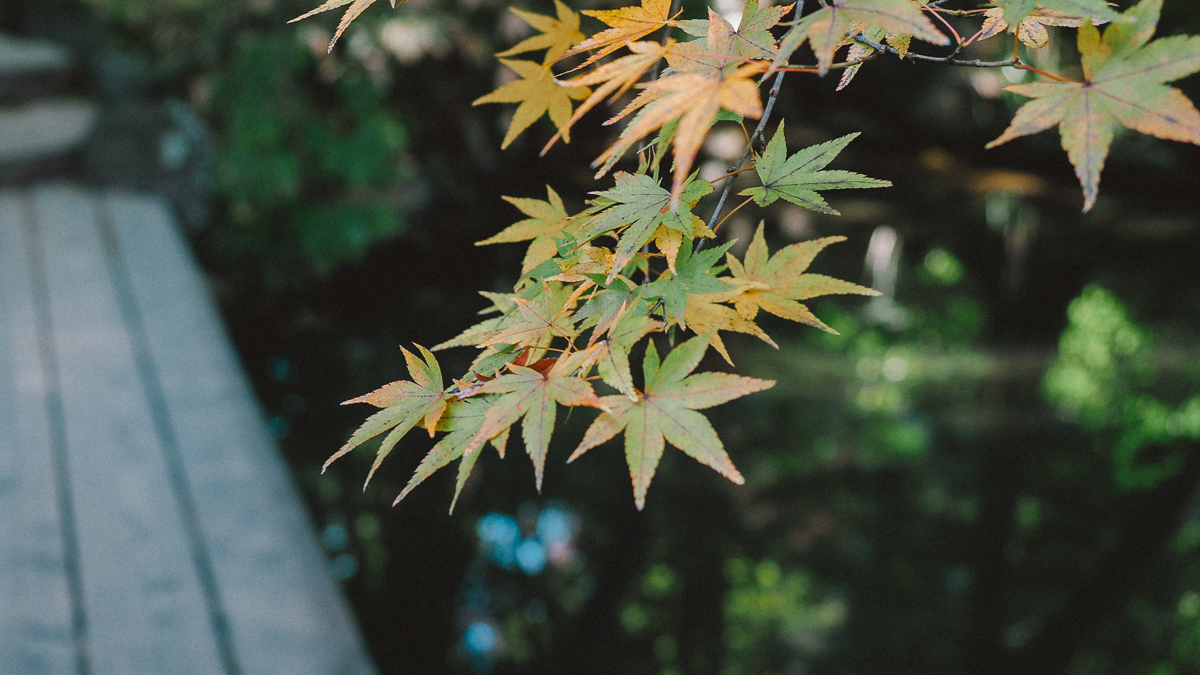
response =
{"points": [[1022, 66], [957, 38], [730, 214], [731, 173]]}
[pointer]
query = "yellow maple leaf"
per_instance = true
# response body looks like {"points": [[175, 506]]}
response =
{"points": [[1125, 78], [546, 219], [704, 313], [538, 93], [628, 24], [694, 99], [357, 7], [775, 283], [668, 242], [557, 36]]}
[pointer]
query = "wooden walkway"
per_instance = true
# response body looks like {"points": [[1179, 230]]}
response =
{"points": [[147, 521]]}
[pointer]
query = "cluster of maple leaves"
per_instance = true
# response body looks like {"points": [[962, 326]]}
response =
{"points": [[637, 263]]}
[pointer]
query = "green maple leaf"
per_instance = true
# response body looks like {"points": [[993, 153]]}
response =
{"points": [[612, 360], [751, 39], [638, 204], [667, 410], [825, 29], [1015, 10], [1124, 76], [557, 35], [547, 220], [405, 404], [533, 396], [797, 178], [778, 282], [693, 276], [462, 421]]}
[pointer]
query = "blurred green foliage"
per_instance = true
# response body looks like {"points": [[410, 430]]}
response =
{"points": [[310, 167], [307, 185], [1101, 376], [773, 622]]}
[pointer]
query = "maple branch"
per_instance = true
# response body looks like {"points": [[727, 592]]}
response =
{"points": [[946, 60], [950, 60], [772, 96]]}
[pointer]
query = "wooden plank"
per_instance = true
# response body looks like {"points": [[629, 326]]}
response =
{"points": [[285, 614], [36, 627], [143, 601]]}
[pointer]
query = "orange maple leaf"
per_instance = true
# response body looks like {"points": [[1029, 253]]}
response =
{"points": [[628, 24], [615, 78], [694, 99]]}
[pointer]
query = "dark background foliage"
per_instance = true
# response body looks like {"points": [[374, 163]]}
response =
{"points": [[915, 501]]}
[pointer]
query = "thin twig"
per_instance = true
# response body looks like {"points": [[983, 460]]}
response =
{"points": [[772, 96], [1013, 62]]}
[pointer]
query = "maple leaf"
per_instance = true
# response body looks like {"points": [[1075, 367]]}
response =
{"points": [[666, 409], [357, 7], [797, 178], [405, 404], [1124, 76], [615, 78], [537, 320], [718, 49], [779, 281], [753, 38], [1031, 30], [826, 28], [557, 36], [859, 51], [628, 24], [612, 360], [532, 397], [461, 422], [1016, 10], [693, 99], [546, 219], [640, 205], [538, 93], [705, 313], [693, 277]]}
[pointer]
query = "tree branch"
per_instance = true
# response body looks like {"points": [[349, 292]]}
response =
{"points": [[772, 96]]}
